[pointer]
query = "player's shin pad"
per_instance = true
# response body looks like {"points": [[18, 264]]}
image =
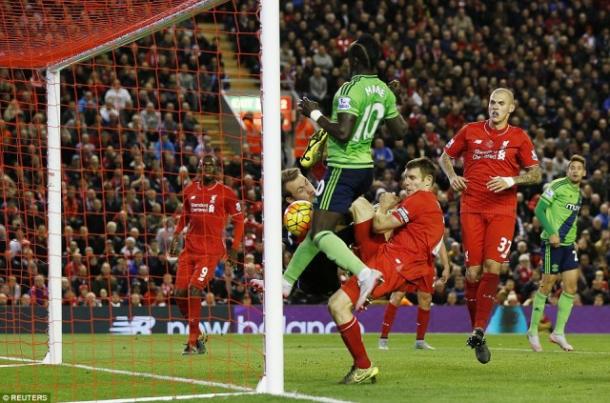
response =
{"points": [[315, 149]]}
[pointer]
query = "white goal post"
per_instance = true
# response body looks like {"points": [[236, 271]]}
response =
{"points": [[273, 379]]}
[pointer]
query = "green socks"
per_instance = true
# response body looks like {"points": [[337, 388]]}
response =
{"points": [[337, 251], [564, 309], [304, 254], [537, 312]]}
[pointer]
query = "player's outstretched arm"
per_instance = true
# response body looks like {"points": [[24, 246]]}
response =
{"points": [[458, 183], [340, 130]]}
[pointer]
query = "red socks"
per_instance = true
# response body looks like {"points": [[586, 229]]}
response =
{"points": [[350, 333], [470, 296], [423, 317], [486, 297], [194, 316], [183, 306], [388, 320]]}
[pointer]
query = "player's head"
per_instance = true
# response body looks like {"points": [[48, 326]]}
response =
{"points": [[364, 54], [501, 105], [577, 168], [295, 186], [209, 166], [419, 175]]}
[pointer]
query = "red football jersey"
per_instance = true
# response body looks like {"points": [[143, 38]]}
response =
{"points": [[487, 153], [414, 244], [205, 211]]}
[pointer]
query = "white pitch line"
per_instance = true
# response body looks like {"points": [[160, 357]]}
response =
{"points": [[162, 377], [166, 398], [554, 350], [209, 396], [245, 390], [20, 365], [21, 359]]}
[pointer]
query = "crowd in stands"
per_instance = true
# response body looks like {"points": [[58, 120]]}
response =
{"points": [[131, 137], [449, 56]]}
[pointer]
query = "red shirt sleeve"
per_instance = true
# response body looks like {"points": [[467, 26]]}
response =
{"points": [[407, 210], [233, 208], [457, 145], [527, 153], [232, 205]]}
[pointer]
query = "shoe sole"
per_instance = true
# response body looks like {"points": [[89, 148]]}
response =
{"points": [[479, 354], [309, 157]]}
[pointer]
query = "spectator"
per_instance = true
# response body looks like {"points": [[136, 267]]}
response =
{"points": [[117, 96]]}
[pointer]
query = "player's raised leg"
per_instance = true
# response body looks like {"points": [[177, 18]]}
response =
{"points": [[335, 200]]}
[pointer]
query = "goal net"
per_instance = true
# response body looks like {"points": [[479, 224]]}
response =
{"points": [[106, 108]]}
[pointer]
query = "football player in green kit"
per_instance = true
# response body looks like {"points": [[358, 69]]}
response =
{"points": [[358, 107], [557, 210]]}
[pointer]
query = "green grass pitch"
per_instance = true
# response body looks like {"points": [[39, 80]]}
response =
{"points": [[313, 366]]}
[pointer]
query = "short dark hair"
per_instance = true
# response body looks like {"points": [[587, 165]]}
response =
{"points": [[366, 50], [288, 175], [425, 165], [578, 158]]}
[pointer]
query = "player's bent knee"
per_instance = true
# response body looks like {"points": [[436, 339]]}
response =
{"points": [[547, 282], [339, 306], [473, 273], [424, 300], [195, 291], [396, 298], [361, 210], [491, 266]]}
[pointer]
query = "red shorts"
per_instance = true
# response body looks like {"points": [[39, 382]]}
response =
{"points": [[195, 270], [396, 277], [392, 281], [487, 236], [423, 284]]}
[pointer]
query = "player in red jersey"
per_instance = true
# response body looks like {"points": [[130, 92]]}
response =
{"points": [[407, 257], [494, 153], [207, 203]]}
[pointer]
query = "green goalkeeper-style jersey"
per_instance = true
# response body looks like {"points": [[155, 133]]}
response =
{"points": [[370, 100], [564, 200]]}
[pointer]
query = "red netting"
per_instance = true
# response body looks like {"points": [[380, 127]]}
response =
{"points": [[40, 33], [134, 123]]}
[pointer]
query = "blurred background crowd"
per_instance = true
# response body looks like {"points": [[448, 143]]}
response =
{"points": [[132, 136]]}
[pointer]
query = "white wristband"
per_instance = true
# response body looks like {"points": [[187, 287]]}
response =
{"points": [[509, 181], [315, 115]]}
